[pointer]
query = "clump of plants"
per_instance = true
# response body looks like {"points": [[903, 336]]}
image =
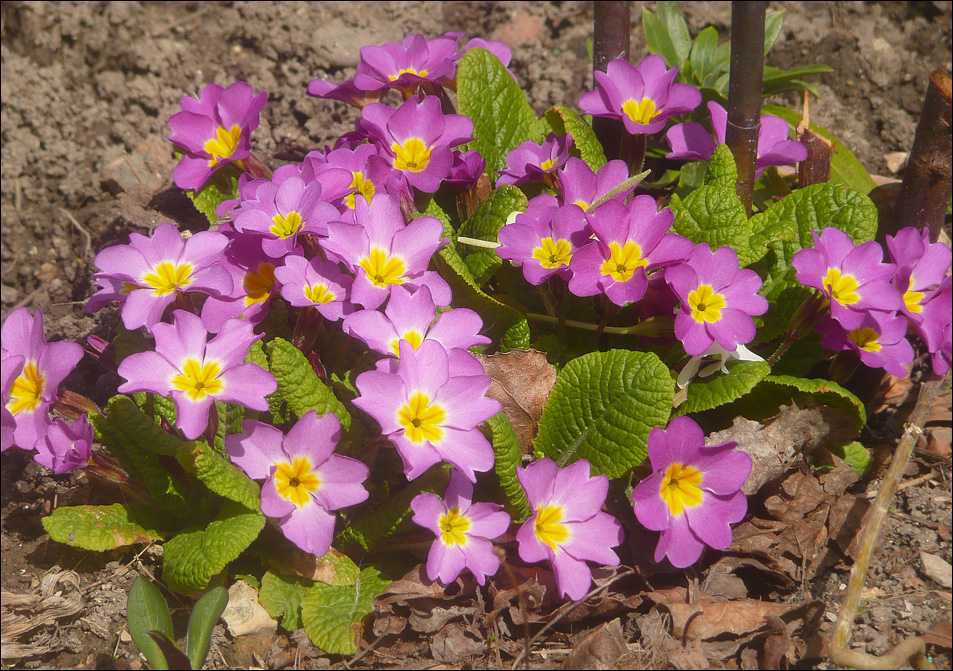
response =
{"points": [[309, 377]]}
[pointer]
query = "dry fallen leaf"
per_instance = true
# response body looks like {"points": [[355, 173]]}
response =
{"points": [[600, 649], [940, 634], [453, 643], [522, 380]]}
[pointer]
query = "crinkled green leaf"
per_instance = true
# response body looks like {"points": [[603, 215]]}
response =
{"points": [[501, 114], [722, 170], [277, 408], [602, 408], [506, 447], [484, 224], [298, 384], [330, 612], [563, 120], [219, 474], [856, 456], [136, 440], [222, 186], [281, 596], [193, 557], [230, 418], [97, 528], [714, 214], [147, 610], [845, 168], [718, 389], [204, 617]]}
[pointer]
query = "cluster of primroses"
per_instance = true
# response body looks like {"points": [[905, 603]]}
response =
{"points": [[336, 236]]}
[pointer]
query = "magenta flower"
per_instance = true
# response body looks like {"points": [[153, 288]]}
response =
{"points": [[878, 339], [64, 447], [196, 373], [942, 358], [567, 527], [150, 272], [467, 168], [694, 493], [371, 175], [253, 284], [410, 316], [345, 92], [304, 480], [213, 131], [544, 238], [690, 141], [580, 186], [498, 49], [381, 251], [429, 414], [44, 367], [532, 162], [642, 96], [418, 138], [406, 66], [464, 531], [922, 268], [718, 300], [316, 283], [10, 369], [853, 278], [631, 241]]}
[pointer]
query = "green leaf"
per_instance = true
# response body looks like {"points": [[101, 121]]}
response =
{"points": [[714, 214], [719, 389], [222, 186], [501, 114], [845, 168], [484, 224], [147, 610], [204, 616], [281, 596], [602, 408], [330, 612], [193, 557], [823, 391], [773, 22], [230, 418], [563, 121], [97, 528], [704, 54], [856, 456], [677, 29], [219, 474], [506, 447], [775, 81], [299, 385], [722, 170], [174, 656]]}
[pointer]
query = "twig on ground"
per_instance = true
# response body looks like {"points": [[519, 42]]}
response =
{"points": [[79, 227]]}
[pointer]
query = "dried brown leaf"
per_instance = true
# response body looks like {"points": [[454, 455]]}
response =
{"points": [[940, 634], [429, 620], [601, 649], [522, 380], [453, 643]]}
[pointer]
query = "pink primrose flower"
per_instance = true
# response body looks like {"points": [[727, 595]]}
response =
{"points": [[694, 493], [382, 251], [34, 388], [852, 277], [631, 241], [922, 269], [718, 300], [148, 273], [429, 414], [567, 527], [345, 92], [196, 373], [65, 447], [466, 170], [10, 369], [580, 186], [642, 96], [407, 66], [878, 339], [532, 162], [464, 531], [253, 284], [316, 283], [304, 480], [213, 131]]}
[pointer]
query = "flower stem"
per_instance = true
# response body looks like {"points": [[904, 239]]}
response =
{"points": [[476, 242], [630, 183], [610, 40], [652, 326]]}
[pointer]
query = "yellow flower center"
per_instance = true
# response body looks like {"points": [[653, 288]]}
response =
{"points": [[413, 155], [168, 277], [549, 528], [382, 269], [641, 112], [453, 527], [553, 254], [421, 420], [27, 390], [912, 299], [865, 339], [364, 187], [413, 336], [623, 261], [547, 164], [706, 305], [319, 294], [680, 488], [259, 283], [842, 288], [394, 78], [582, 204], [199, 380], [224, 144], [296, 481], [285, 227]]}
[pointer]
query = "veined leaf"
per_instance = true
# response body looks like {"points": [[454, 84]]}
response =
{"points": [[506, 447], [219, 474], [97, 528], [719, 389], [484, 224], [563, 120], [330, 612], [281, 596], [722, 170], [299, 385]]}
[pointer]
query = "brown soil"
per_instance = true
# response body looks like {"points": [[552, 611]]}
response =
{"points": [[88, 86]]}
